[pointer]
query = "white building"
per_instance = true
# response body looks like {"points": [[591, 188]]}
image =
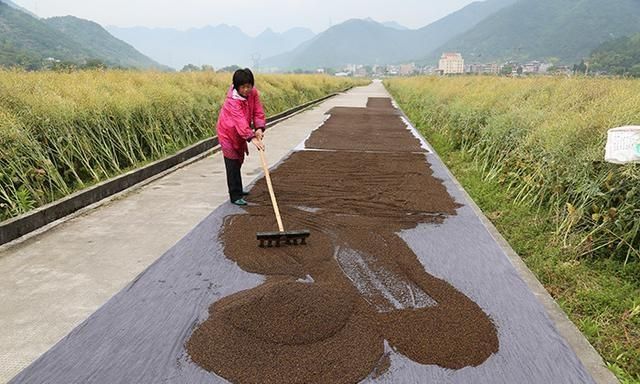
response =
{"points": [[481, 69], [451, 63]]}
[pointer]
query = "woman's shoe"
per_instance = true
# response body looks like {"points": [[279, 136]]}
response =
{"points": [[239, 202]]}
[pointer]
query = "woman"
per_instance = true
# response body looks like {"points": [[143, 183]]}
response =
{"points": [[241, 110]]}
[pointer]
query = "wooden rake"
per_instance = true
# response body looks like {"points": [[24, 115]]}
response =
{"points": [[270, 239]]}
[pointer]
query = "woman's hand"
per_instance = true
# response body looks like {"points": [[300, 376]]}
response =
{"points": [[260, 133], [258, 143]]}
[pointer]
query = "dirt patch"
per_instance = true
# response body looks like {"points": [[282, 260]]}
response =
{"points": [[382, 103], [313, 312], [363, 284], [299, 334], [375, 128]]}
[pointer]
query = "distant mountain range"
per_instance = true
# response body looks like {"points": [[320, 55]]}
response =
{"points": [[27, 41], [366, 41], [561, 31], [219, 46], [564, 30]]}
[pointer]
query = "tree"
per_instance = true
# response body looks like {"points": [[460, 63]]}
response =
{"points": [[506, 70], [190, 68], [64, 66], [230, 68], [579, 69], [94, 64]]}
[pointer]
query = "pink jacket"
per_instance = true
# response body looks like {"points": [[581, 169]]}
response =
{"points": [[234, 123]]}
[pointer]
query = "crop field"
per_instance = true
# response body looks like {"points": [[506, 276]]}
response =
{"points": [[60, 132]]}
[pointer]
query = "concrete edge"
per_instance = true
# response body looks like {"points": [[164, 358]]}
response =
{"points": [[24, 224], [19, 228], [114, 197], [587, 354]]}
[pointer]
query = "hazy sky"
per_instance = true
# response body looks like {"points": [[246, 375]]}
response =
{"points": [[252, 16]]}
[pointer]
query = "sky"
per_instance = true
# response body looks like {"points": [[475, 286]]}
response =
{"points": [[252, 16]]}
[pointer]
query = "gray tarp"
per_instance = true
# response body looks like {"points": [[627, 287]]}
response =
{"points": [[138, 336]]}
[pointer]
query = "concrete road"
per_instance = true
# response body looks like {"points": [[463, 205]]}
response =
{"points": [[52, 281]]}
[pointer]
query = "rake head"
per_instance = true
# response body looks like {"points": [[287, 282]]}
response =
{"points": [[270, 239]]}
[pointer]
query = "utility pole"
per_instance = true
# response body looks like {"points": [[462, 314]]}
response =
{"points": [[255, 58]]}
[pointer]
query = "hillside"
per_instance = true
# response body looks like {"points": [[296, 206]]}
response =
{"points": [[354, 41], [369, 42], [619, 57], [564, 30], [16, 6], [26, 42], [100, 43]]}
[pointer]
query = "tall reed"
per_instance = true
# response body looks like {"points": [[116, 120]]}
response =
{"points": [[60, 132], [543, 139]]}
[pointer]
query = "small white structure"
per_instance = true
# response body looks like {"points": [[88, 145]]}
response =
{"points": [[623, 145]]}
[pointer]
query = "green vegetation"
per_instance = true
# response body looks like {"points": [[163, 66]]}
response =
{"points": [[28, 42], [529, 152], [618, 57], [16, 6], [60, 132], [100, 43], [557, 30]]}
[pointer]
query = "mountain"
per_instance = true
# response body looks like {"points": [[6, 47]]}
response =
{"points": [[390, 24], [100, 44], [19, 8], [369, 42], [564, 30], [394, 25], [215, 45], [354, 41], [26, 41], [619, 56]]}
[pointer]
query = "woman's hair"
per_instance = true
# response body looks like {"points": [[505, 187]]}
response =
{"points": [[243, 76]]}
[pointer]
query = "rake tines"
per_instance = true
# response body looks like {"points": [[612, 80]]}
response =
{"points": [[270, 239]]}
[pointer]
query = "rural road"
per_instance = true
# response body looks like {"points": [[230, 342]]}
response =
{"points": [[55, 280]]}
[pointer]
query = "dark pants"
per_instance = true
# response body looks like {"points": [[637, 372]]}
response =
{"points": [[234, 178]]}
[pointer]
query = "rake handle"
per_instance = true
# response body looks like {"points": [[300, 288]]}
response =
{"points": [[274, 203]]}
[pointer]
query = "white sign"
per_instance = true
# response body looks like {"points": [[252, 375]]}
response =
{"points": [[623, 145]]}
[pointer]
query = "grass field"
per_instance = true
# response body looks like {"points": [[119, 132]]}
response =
{"points": [[60, 132], [530, 153]]}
